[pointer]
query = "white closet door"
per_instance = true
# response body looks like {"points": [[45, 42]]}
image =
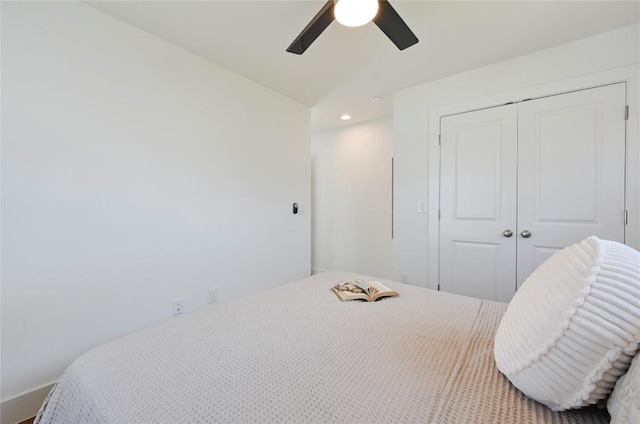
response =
{"points": [[478, 203], [571, 172]]}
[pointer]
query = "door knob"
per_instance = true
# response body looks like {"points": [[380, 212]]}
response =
{"points": [[507, 233], [526, 234]]}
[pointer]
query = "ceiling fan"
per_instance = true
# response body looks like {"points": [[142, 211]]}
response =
{"points": [[356, 13]]}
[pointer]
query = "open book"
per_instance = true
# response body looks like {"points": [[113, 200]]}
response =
{"points": [[359, 289]]}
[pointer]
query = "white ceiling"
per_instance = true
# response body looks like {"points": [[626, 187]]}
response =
{"points": [[346, 66]]}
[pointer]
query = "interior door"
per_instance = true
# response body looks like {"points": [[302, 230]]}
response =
{"points": [[478, 203], [571, 172]]}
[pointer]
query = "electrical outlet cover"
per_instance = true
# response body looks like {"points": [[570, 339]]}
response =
{"points": [[213, 295], [177, 306]]}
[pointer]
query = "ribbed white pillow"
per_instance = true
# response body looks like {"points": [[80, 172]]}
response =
{"points": [[574, 325]]}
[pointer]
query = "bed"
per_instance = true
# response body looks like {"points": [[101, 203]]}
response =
{"points": [[297, 354]]}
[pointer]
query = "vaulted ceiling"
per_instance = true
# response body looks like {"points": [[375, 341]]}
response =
{"points": [[345, 67]]}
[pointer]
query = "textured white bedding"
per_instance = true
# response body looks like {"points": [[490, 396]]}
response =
{"points": [[296, 354]]}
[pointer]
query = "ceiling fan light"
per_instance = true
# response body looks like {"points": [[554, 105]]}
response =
{"points": [[353, 13]]}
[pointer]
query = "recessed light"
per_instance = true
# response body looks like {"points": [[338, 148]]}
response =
{"points": [[375, 99], [345, 117]]}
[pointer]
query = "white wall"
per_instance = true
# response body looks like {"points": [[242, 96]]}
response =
{"points": [[412, 130], [133, 173], [351, 197]]}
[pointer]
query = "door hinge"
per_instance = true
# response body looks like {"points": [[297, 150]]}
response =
{"points": [[626, 217], [439, 139], [438, 286], [626, 113], [438, 214]]}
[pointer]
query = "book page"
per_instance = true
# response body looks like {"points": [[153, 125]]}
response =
{"points": [[348, 295], [363, 284], [381, 287]]}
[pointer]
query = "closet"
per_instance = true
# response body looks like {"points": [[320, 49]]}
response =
{"points": [[521, 181]]}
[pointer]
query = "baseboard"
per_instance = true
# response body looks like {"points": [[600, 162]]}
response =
{"points": [[315, 271], [24, 406]]}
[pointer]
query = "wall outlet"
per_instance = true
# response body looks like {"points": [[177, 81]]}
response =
{"points": [[405, 278], [213, 295], [177, 306]]}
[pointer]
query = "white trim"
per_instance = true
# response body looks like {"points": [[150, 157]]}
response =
{"points": [[24, 406], [628, 74]]}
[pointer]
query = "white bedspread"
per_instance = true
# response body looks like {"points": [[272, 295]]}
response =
{"points": [[296, 354]]}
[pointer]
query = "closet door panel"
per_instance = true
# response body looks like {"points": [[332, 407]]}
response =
{"points": [[571, 171], [478, 203]]}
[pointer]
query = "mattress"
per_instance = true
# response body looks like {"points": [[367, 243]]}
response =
{"points": [[297, 354]]}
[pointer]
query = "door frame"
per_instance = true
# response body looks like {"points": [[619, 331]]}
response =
{"points": [[628, 75]]}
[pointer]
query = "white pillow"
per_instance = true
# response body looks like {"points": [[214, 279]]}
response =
{"points": [[624, 403], [574, 325]]}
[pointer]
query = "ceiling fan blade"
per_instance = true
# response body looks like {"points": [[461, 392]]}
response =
{"points": [[393, 26], [318, 24]]}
